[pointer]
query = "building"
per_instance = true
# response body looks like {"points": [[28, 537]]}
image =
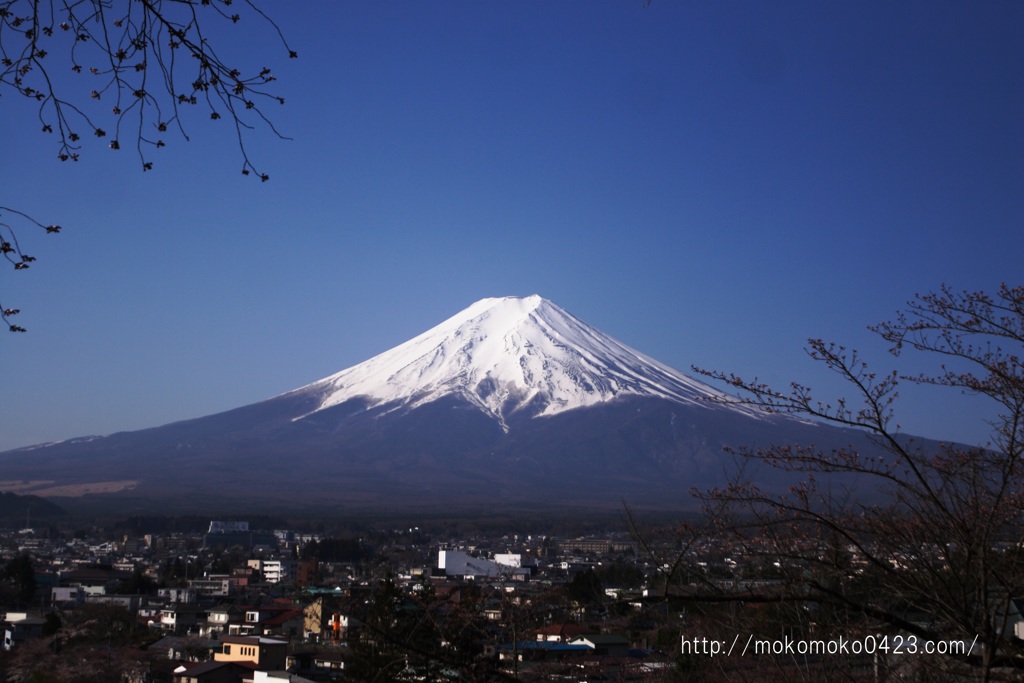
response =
{"points": [[597, 546], [324, 620], [278, 677], [461, 563], [178, 595], [211, 586], [214, 672], [266, 653], [181, 619], [513, 560], [279, 571], [221, 618], [20, 626], [320, 666], [605, 644], [227, 534], [60, 595]]}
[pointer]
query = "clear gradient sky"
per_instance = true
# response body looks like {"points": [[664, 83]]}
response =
{"points": [[710, 182]]}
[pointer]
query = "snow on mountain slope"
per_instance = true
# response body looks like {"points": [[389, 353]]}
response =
{"points": [[502, 354]]}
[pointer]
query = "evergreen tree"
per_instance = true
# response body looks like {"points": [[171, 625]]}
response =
{"points": [[20, 572]]}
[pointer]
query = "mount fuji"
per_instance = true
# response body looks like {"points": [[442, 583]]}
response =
{"points": [[512, 400]]}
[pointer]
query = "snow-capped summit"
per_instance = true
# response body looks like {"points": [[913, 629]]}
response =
{"points": [[503, 355]]}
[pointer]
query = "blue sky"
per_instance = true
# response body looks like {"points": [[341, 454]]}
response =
{"points": [[711, 183]]}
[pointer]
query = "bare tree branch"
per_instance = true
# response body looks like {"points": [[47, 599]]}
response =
{"points": [[147, 61], [940, 558]]}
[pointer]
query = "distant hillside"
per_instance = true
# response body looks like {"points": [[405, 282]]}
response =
{"points": [[15, 507]]}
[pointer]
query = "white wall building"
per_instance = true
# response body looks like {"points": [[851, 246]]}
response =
{"points": [[461, 563], [279, 571], [513, 560]]}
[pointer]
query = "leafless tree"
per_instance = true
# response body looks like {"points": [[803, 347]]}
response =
{"points": [[125, 72], [936, 560]]}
